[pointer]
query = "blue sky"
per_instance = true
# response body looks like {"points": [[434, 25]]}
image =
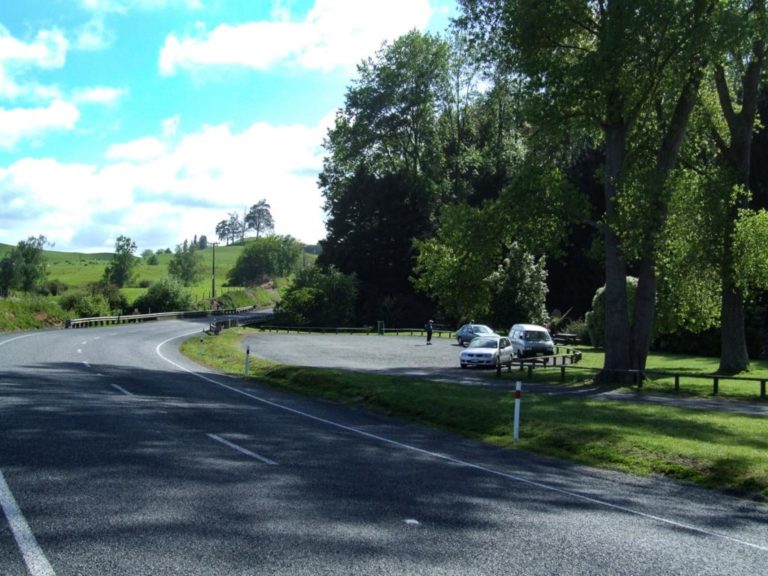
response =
{"points": [[155, 118]]}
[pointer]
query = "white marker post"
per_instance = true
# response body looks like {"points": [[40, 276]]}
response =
{"points": [[247, 360], [517, 411]]}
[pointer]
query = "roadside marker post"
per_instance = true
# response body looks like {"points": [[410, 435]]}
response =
{"points": [[247, 360], [516, 426], [201, 345]]}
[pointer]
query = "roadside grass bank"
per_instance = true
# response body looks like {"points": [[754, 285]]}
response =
{"points": [[30, 313], [710, 449]]}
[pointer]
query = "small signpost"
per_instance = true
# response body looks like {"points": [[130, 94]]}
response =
{"points": [[247, 360]]}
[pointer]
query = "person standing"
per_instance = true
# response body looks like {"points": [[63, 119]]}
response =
{"points": [[429, 327]]}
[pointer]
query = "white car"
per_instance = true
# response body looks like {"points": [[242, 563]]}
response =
{"points": [[488, 352]]}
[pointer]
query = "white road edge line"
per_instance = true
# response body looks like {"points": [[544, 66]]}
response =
{"points": [[36, 562], [453, 460], [4, 342], [242, 450], [121, 389]]}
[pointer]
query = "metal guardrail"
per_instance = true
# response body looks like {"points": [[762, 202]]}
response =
{"points": [[362, 330], [137, 318]]}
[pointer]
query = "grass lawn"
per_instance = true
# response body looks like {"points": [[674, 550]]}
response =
{"points": [[592, 359], [711, 449]]}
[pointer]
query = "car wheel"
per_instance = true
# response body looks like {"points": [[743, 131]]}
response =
{"points": [[463, 365]]}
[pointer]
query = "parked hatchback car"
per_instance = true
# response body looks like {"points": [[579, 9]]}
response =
{"points": [[487, 352], [530, 340], [469, 332]]}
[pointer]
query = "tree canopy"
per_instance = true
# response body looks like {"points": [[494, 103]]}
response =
{"points": [[122, 266]]}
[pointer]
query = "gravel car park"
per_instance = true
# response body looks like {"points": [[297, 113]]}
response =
{"points": [[397, 355]]}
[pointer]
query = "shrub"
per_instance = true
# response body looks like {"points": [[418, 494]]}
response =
{"points": [[53, 288], [320, 298], [595, 318], [83, 305], [579, 327], [167, 295]]}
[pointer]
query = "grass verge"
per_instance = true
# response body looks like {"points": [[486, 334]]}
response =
{"points": [[709, 449]]}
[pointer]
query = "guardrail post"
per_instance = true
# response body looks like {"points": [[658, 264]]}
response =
{"points": [[715, 385], [677, 383], [562, 372], [762, 388]]}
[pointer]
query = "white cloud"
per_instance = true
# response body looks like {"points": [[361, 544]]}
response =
{"points": [[47, 50], [140, 150], [98, 95], [19, 123], [160, 192], [335, 33]]}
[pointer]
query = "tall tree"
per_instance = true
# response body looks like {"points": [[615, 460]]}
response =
{"points": [[259, 218], [223, 231], [384, 170], [610, 68], [235, 226], [739, 108], [186, 265], [120, 270], [24, 267]]}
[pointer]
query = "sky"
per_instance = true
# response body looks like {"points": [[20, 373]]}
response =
{"points": [[154, 119]]}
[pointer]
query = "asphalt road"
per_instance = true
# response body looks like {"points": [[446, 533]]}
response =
{"points": [[120, 457]]}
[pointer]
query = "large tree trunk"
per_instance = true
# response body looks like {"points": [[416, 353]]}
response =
{"points": [[733, 349], [645, 298], [616, 308], [733, 341]]}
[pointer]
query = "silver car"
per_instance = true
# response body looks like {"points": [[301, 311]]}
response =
{"points": [[487, 352], [469, 332]]}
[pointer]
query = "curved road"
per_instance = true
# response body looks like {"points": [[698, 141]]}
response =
{"points": [[119, 456]]}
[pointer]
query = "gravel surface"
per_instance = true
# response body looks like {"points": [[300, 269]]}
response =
{"points": [[400, 355]]}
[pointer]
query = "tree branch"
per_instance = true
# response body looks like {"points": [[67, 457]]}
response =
{"points": [[724, 95]]}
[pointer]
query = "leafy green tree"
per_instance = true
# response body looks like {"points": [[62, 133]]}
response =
{"points": [[519, 288], [319, 297], [224, 231], [465, 266], [259, 218], [383, 172], [265, 258], [187, 264], [166, 295], [24, 267], [120, 270], [627, 72], [746, 60]]}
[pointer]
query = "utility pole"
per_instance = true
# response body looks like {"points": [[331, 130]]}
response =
{"points": [[213, 271]]}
